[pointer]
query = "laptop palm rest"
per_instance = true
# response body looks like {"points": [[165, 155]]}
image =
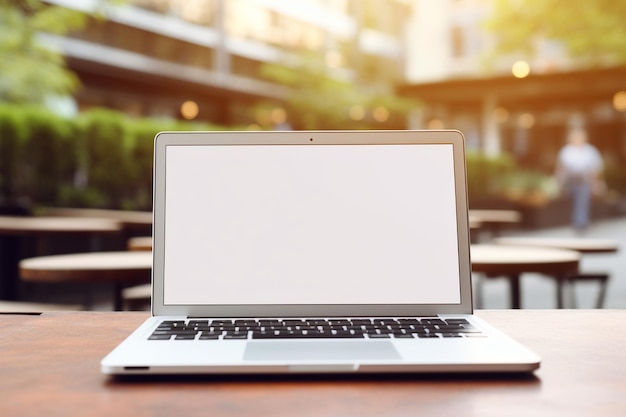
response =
{"points": [[320, 350]]}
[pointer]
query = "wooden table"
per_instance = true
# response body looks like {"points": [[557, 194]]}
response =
{"points": [[495, 217], [582, 245], [15, 228], [49, 366], [18, 225], [128, 218], [578, 244], [140, 243], [119, 268], [512, 261], [492, 221], [133, 222]]}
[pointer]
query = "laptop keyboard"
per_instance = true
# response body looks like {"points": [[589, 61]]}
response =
{"points": [[381, 328]]}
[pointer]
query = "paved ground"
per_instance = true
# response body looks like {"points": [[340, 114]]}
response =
{"points": [[540, 292]]}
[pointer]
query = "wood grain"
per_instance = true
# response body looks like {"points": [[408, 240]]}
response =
{"points": [[48, 367]]}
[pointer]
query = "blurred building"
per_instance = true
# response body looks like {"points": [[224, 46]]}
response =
{"points": [[200, 59], [522, 108]]}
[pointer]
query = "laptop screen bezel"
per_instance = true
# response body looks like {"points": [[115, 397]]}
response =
{"points": [[309, 138]]}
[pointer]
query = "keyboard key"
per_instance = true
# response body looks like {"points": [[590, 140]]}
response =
{"points": [[381, 328], [209, 335], [185, 336], [160, 337], [235, 335]]}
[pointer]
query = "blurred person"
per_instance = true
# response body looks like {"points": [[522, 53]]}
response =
{"points": [[579, 172]]}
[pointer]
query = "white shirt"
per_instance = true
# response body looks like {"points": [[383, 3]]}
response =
{"points": [[580, 159]]}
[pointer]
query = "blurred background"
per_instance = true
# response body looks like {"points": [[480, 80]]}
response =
{"points": [[86, 84]]}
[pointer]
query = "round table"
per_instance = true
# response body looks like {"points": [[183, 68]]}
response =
{"points": [[19, 226], [492, 221], [140, 243], [133, 222], [582, 245], [578, 244], [495, 216], [512, 261], [119, 268], [128, 218], [138, 296], [15, 228]]}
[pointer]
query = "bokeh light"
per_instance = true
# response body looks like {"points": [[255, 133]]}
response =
{"points": [[526, 120], [189, 110], [501, 115], [520, 69], [381, 114], [435, 124], [334, 59], [357, 112], [278, 116], [619, 101]]}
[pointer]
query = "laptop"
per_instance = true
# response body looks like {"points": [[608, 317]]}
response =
{"points": [[312, 252]]}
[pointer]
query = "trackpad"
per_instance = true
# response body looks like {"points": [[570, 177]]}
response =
{"points": [[320, 350]]}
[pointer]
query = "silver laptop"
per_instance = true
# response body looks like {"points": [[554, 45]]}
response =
{"points": [[318, 252]]}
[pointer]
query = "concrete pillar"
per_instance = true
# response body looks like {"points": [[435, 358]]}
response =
{"points": [[491, 134], [222, 57], [415, 119]]}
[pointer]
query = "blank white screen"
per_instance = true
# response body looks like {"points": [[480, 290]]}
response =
{"points": [[323, 224]]}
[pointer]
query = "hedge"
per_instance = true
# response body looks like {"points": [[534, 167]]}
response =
{"points": [[100, 159], [103, 159]]}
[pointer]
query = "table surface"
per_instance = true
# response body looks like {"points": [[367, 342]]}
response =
{"points": [[512, 261], [495, 216], [49, 366], [92, 266], [127, 217], [501, 259], [140, 243], [13, 229], [579, 244], [24, 225]]}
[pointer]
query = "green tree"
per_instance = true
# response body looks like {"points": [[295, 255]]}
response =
{"points": [[30, 70], [591, 32]]}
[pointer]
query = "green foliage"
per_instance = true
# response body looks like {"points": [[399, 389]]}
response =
{"points": [[106, 154], [104, 160], [29, 69], [142, 133], [318, 100], [615, 177], [591, 31], [499, 178], [47, 161], [486, 174], [100, 159], [13, 134]]}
